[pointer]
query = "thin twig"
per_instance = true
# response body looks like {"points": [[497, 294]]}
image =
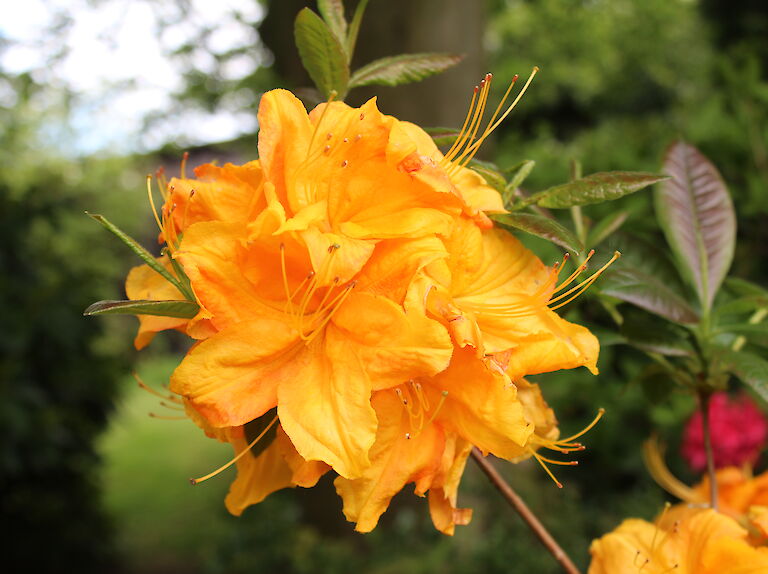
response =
{"points": [[525, 513], [704, 405]]}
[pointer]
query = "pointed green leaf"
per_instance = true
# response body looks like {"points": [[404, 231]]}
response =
{"points": [[257, 426], [332, 12], [595, 188], [696, 213], [518, 175], [321, 54], [181, 309], [145, 255], [354, 28], [742, 305], [744, 287], [648, 292], [443, 136], [540, 226], [750, 368], [490, 173], [756, 333], [402, 69]]}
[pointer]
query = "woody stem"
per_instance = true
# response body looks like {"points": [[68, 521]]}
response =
{"points": [[704, 405], [525, 513]]}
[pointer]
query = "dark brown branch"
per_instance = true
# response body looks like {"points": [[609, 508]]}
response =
{"points": [[704, 405], [525, 513]]}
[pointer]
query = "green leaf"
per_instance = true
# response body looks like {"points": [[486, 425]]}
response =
{"points": [[518, 174], [742, 305], [354, 28], [606, 227], [696, 213], [145, 255], [332, 12], [321, 54], [443, 136], [490, 174], [744, 287], [653, 336], [540, 226], [257, 426], [750, 368], [180, 309], [402, 69], [756, 333], [648, 292], [595, 188]]}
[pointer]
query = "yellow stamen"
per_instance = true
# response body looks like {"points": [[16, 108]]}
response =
{"points": [[583, 286], [654, 462], [236, 458], [457, 142], [152, 203], [474, 124], [589, 427], [166, 418], [184, 159], [545, 467], [152, 391]]}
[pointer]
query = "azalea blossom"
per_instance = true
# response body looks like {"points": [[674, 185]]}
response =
{"points": [[358, 308], [739, 432], [703, 542]]}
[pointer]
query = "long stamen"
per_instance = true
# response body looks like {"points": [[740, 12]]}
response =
{"points": [[184, 159], [331, 97], [573, 276], [152, 391], [475, 125], [475, 146], [236, 458], [589, 427], [456, 143], [477, 112], [152, 203], [289, 302], [579, 289], [166, 417], [545, 467], [333, 306]]}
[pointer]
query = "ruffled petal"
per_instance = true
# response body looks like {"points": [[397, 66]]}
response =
{"points": [[232, 378], [395, 461], [257, 477]]}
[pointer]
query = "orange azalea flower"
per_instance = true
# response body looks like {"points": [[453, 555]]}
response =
{"points": [[350, 280], [497, 296], [703, 542]]}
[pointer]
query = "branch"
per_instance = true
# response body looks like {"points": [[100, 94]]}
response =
{"points": [[525, 513]]}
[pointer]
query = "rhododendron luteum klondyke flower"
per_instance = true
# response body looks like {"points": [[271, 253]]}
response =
{"points": [[702, 542], [351, 280]]}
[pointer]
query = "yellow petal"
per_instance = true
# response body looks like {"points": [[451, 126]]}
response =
{"points": [[481, 406], [145, 283], [393, 344], [232, 378], [443, 492], [305, 473], [395, 461], [324, 405], [257, 477]]}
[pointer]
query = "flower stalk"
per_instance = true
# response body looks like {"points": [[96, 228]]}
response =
{"points": [[525, 513], [704, 405]]}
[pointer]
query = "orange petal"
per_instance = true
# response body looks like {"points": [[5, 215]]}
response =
{"points": [[232, 378], [395, 461], [306, 473], [257, 477], [443, 492], [393, 344], [481, 406], [324, 405], [145, 283]]}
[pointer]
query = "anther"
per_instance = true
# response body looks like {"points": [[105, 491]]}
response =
{"points": [[362, 116], [408, 436], [333, 247], [358, 137], [345, 140], [329, 136], [327, 149], [345, 163]]}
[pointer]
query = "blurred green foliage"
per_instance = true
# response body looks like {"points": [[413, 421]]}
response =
{"points": [[58, 372]]}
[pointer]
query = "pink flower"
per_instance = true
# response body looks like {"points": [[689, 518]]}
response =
{"points": [[739, 431]]}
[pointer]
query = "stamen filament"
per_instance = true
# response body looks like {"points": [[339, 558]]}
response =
{"points": [[451, 151], [579, 289], [166, 417], [546, 468], [152, 203], [194, 481], [589, 427]]}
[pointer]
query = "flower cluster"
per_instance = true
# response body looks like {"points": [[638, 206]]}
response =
{"points": [[739, 432], [359, 312], [700, 542]]}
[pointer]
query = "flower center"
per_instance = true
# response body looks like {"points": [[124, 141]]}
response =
{"points": [[418, 406]]}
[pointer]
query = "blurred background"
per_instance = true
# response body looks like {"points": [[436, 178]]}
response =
{"points": [[96, 94]]}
